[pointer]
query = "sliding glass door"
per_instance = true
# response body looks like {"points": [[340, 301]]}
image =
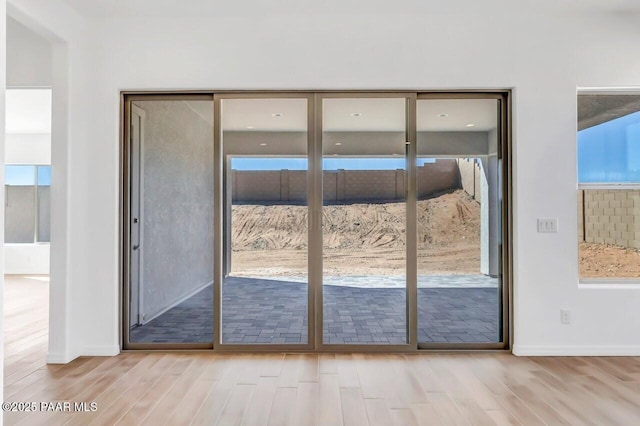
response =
{"points": [[364, 218], [170, 222], [374, 221], [264, 291], [459, 221]]}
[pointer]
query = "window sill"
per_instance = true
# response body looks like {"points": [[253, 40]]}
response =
{"points": [[609, 283]]}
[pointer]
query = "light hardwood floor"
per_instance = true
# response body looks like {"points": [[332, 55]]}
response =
{"points": [[308, 389]]}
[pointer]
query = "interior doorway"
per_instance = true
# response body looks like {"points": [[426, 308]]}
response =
{"points": [[27, 225]]}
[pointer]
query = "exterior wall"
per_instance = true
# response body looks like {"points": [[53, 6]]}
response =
{"points": [[470, 177], [343, 185], [580, 215], [178, 205], [609, 217], [435, 177]]}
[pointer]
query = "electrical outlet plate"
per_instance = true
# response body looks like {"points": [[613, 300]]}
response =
{"points": [[547, 225], [565, 316]]}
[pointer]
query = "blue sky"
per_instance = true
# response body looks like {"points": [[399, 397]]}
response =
{"points": [[254, 163], [610, 152], [25, 175]]}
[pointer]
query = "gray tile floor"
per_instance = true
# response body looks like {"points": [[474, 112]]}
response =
{"points": [[270, 311]]}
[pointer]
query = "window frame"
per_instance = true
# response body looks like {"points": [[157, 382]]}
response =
{"points": [[607, 282]]}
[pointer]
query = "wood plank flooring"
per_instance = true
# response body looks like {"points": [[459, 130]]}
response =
{"points": [[307, 389]]}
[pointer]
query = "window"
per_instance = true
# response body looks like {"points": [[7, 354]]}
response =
{"points": [[609, 186], [27, 203]]}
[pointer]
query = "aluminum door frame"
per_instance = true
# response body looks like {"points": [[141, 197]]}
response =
{"points": [[314, 184], [220, 211]]}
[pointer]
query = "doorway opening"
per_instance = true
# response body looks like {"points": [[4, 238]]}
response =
{"points": [[27, 226]]}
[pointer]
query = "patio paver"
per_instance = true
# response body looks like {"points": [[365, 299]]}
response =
{"points": [[273, 311]]}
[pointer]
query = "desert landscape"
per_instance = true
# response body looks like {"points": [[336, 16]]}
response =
{"points": [[369, 238], [359, 238], [608, 261]]}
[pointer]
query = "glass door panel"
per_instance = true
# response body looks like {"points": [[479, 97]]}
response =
{"points": [[364, 220], [459, 221], [171, 222], [265, 281]]}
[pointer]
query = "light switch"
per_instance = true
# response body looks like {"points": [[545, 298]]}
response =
{"points": [[548, 225]]}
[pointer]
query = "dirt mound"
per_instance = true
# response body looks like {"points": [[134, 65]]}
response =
{"points": [[360, 239], [268, 227], [608, 261], [448, 220], [442, 221]]}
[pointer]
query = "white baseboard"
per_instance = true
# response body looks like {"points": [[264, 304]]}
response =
{"points": [[177, 302], [101, 350], [64, 358], [533, 350], [59, 358]]}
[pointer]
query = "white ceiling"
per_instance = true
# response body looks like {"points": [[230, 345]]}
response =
{"points": [[357, 115], [283, 115], [454, 115], [28, 111], [364, 114], [210, 8]]}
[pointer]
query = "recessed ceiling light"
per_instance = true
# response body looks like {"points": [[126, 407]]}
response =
{"points": [[263, 144], [338, 143], [470, 125], [249, 127], [276, 114], [356, 114], [443, 115], [407, 143]]}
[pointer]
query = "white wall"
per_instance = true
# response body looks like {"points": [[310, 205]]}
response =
{"points": [[27, 149], [3, 86], [29, 56], [543, 58], [29, 64], [26, 259], [64, 29]]}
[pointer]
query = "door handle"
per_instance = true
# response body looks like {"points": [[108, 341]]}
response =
{"points": [[136, 247]]}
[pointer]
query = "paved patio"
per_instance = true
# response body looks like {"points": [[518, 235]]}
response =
{"points": [[274, 311]]}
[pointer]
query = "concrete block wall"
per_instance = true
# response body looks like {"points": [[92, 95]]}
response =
{"points": [[470, 179], [343, 185], [436, 177], [610, 217], [371, 185], [297, 185], [581, 235], [252, 185]]}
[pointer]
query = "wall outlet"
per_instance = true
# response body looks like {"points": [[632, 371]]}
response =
{"points": [[565, 316], [548, 225]]}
